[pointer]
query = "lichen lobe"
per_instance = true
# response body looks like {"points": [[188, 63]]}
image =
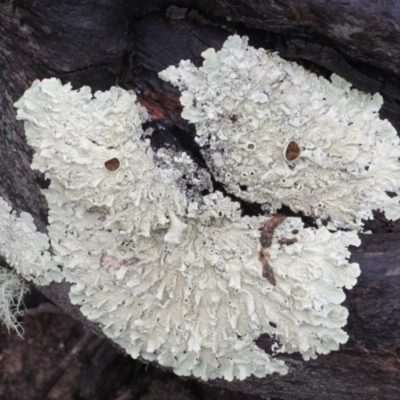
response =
{"points": [[316, 146]]}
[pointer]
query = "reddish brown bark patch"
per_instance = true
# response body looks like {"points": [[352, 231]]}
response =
{"points": [[287, 241], [267, 234]]}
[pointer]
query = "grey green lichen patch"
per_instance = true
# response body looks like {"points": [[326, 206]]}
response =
{"points": [[193, 179], [276, 134], [26, 249], [169, 274]]}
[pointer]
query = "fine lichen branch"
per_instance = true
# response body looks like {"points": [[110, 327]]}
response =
{"points": [[12, 292]]}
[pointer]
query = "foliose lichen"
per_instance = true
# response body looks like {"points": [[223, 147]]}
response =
{"points": [[26, 249], [276, 134], [170, 276], [91, 149], [199, 305]]}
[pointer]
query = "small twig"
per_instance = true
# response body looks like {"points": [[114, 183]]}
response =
{"points": [[64, 364], [43, 308], [287, 241], [267, 234]]}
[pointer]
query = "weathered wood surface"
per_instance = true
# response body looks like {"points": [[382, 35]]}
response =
{"points": [[124, 42]]}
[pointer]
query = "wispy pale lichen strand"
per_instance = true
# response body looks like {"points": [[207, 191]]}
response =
{"points": [[12, 291]]}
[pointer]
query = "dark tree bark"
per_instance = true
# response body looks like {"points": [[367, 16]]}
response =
{"points": [[108, 42]]}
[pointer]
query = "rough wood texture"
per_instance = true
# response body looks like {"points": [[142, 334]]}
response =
{"points": [[127, 42]]}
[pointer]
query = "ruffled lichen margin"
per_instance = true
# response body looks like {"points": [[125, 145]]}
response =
{"points": [[177, 277], [290, 137]]}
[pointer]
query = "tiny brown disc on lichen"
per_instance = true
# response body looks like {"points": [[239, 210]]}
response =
{"points": [[292, 151], [112, 165], [251, 146]]}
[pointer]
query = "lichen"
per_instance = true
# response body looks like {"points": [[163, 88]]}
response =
{"points": [[198, 305], [276, 134], [92, 152], [12, 291], [170, 274], [26, 249]]}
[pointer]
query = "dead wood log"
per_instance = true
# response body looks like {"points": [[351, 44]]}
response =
{"points": [[124, 42]]}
